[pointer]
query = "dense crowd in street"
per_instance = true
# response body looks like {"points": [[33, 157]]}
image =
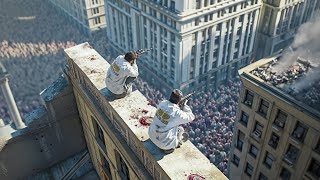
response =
{"points": [[32, 51]]}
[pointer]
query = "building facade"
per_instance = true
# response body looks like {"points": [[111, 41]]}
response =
{"points": [[117, 141], [280, 20], [87, 15], [275, 136], [196, 43]]}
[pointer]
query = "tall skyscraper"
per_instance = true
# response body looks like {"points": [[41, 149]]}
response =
{"points": [[276, 135], [195, 42], [87, 15], [280, 21]]}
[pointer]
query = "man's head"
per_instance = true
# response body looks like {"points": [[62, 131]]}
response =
{"points": [[130, 56], [176, 96]]}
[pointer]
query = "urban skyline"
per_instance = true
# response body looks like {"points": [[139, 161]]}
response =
{"points": [[197, 45]]}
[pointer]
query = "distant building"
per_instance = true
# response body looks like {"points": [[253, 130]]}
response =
{"points": [[117, 141], [87, 15], [196, 42], [276, 135], [280, 20]]}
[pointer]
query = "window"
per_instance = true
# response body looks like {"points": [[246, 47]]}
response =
{"points": [[268, 160], [292, 155], [262, 177], [317, 148], [248, 100], [173, 6], [244, 118], [249, 170], [280, 120], [314, 168], [123, 168], [95, 10], [240, 140], [253, 151], [101, 135], [98, 131], [300, 132], [105, 166], [257, 132], [274, 141], [263, 109], [97, 20], [236, 160], [285, 174]]}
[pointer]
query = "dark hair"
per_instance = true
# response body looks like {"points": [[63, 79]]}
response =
{"points": [[175, 96], [130, 56]]}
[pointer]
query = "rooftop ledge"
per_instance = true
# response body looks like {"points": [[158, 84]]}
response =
{"points": [[89, 70]]}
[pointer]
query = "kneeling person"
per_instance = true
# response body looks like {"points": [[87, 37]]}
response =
{"points": [[165, 131], [121, 74]]}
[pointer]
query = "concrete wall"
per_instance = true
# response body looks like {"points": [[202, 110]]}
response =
{"points": [[53, 134]]}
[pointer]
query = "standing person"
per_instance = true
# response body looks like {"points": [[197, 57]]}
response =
{"points": [[121, 73], [165, 131]]}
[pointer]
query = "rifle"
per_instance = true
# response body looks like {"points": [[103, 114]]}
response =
{"points": [[185, 98], [141, 51]]}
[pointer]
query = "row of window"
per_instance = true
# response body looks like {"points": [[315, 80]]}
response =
{"points": [[299, 133], [122, 166], [211, 2], [285, 174]]}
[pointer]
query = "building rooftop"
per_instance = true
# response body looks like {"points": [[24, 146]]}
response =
{"points": [[130, 117], [297, 82]]}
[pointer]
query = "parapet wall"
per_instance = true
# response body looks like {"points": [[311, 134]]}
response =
{"points": [[119, 120]]}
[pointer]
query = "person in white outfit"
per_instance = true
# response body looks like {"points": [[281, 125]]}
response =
{"points": [[164, 131], [121, 74]]}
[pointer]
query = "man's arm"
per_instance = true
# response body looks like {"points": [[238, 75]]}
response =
{"points": [[185, 115], [133, 70]]}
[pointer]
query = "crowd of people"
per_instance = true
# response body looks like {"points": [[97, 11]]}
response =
{"points": [[31, 48]]}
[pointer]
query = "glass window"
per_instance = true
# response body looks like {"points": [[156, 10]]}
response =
{"points": [[280, 120], [249, 170], [240, 140], [263, 109], [257, 132], [124, 171], [314, 168], [268, 160], [236, 160], [300, 132], [285, 174], [98, 131], [244, 118], [106, 166], [248, 100], [262, 177], [101, 135], [253, 150], [292, 155], [274, 141], [317, 148]]}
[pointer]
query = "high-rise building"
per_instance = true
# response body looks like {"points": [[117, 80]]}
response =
{"points": [[195, 42], [116, 131], [276, 135], [280, 20], [87, 15]]}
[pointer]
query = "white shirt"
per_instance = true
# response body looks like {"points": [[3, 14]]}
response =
{"points": [[164, 128], [117, 74]]}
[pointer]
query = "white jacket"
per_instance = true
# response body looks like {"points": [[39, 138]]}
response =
{"points": [[117, 74], [164, 128]]}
